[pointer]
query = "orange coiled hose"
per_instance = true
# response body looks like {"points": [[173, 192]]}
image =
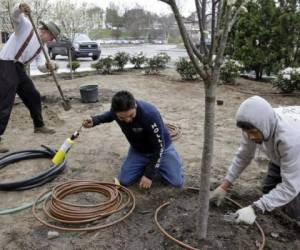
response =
{"points": [[187, 246], [175, 131], [74, 216]]}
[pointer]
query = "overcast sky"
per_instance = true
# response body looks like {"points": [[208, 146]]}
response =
{"points": [[186, 6]]}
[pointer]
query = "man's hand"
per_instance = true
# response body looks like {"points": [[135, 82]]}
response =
{"points": [[51, 66], [145, 182], [25, 8], [87, 123], [218, 195], [245, 215]]}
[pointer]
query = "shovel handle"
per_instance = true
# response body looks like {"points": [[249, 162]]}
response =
{"points": [[47, 59]]}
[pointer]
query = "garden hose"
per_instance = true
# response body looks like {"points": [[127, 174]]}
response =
{"points": [[21, 207], [186, 246], [174, 131], [45, 177], [75, 217]]}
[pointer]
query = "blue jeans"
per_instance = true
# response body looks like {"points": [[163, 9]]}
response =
{"points": [[170, 167]]}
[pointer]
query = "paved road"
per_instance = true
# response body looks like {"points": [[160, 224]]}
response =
{"points": [[148, 49]]}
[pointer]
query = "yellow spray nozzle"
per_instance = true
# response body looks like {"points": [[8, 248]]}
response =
{"points": [[64, 148], [117, 182]]}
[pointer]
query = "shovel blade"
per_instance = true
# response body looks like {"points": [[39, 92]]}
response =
{"points": [[66, 105]]}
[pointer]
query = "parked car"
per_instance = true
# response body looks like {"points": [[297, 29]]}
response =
{"points": [[81, 46]]}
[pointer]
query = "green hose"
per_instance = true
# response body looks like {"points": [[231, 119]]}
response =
{"points": [[23, 207]]}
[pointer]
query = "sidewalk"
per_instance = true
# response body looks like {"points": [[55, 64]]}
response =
{"points": [[36, 72]]}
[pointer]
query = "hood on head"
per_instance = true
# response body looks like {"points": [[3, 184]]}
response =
{"points": [[259, 113]]}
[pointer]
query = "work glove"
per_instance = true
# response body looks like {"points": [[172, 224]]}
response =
{"points": [[87, 123], [245, 215], [218, 195], [25, 8]]}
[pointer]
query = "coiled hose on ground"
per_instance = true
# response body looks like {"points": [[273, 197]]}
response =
{"points": [[187, 246], [174, 130], [42, 178], [77, 217]]}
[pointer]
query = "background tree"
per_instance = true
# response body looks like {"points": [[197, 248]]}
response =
{"points": [[207, 63], [40, 10], [6, 7], [70, 17], [167, 25], [113, 18], [136, 21], [254, 37], [95, 18], [287, 33], [267, 38]]}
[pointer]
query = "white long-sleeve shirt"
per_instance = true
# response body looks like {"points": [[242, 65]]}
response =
{"points": [[22, 28], [281, 144]]}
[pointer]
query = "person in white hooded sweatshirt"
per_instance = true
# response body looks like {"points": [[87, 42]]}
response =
{"points": [[279, 138]]}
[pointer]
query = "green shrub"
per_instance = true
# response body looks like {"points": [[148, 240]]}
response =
{"points": [[74, 65], [163, 59], [230, 70], [120, 60], [186, 69], [288, 80], [138, 60], [156, 63], [104, 65]]}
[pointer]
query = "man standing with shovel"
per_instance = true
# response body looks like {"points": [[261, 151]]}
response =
{"points": [[21, 48]]}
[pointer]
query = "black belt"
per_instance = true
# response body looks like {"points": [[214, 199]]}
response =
{"points": [[13, 61]]}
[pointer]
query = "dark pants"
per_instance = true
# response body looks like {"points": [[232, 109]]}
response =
{"points": [[13, 79], [272, 179]]}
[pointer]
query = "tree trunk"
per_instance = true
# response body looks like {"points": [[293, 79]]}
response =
{"points": [[257, 73], [70, 62], [207, 155]]}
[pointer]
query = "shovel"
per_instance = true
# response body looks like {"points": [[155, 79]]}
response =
{"points": [[65, 103]]}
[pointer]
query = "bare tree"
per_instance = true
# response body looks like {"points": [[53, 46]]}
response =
{"points": [[6, 24], [207, 62], [39, 12], [70, 17], [94, 17]]}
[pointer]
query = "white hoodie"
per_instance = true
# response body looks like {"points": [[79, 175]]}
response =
{"points": [[281, 144]]}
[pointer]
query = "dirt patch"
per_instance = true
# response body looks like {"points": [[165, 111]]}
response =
{"points": [[99, 152], [178, 219]]}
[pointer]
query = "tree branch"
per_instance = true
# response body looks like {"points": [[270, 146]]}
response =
{"points": [[217, 28], [196, 51], [223, 38], [213, 24], [166, 1], [186, 40], [201, 20]]}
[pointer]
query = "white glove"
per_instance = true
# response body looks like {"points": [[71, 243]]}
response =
{"points": [[246, 215], [218, 195]]}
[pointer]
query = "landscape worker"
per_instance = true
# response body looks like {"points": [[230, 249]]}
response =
{"points": [[151, 151], [21, 48], [277, 134]]}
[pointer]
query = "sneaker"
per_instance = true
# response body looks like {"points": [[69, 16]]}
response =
{"points": [[3, 149], [44, 130]]}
